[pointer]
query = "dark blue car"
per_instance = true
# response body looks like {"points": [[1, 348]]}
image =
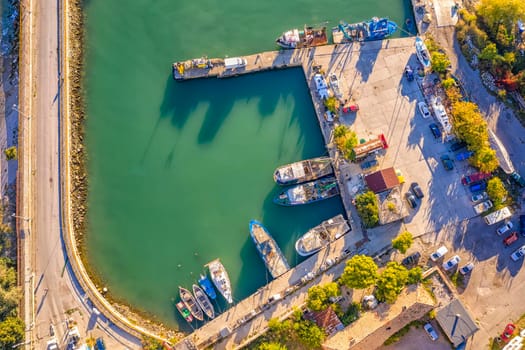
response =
{"points": [[435, 130], [478, 187]]}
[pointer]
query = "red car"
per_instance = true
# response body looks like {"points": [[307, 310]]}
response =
{"points": [[507, 333], [513, 237]]}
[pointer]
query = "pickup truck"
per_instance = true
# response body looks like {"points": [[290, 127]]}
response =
{"points": [[497, 216], [482, 207], [473, 178]]}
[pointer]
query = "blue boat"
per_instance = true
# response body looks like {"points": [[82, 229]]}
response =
{"points": [[374, 29], [205, 283]]}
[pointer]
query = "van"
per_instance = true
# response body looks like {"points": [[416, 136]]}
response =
{"points": [[234, 62]]}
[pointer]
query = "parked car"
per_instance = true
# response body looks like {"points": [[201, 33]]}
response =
{"points": [[435, 130], [479, 197], [430, 331], [418, 192], [466, 268], [439, 253], [480, 186], [369, 164], [409, 73], [464, 155], [410, 260], [447, 162], [411, 199], [513, 237], [505, 228], [456, 146], [508, 332], [518, 253], [423, 109], [522, 225], [450, 263], [520, 181]]}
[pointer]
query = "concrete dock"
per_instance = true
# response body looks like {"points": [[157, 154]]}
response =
{"points": [[369, 74]]}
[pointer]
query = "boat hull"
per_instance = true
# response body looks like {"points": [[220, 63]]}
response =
{"points": [[220, 279], [303, 171], [308, 192], [205, 284], [203, 301], [190, 302], [307, 37], [268, 249], [321, 235], [185, 313], [422, 53], [374, 29]]}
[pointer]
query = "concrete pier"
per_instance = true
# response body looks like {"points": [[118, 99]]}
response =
{"points": [[369, 74]]}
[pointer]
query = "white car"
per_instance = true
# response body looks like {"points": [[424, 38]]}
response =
{"points": [[450, 263], [466, 268], [430, 331], [479, 197], [518, 254], [423, 109], [439, 253], [505, 228]]}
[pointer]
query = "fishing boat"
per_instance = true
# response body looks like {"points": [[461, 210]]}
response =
{"points": [[205, 284], [422, 53], [307, 37], [321, 235], [184, 311], [203, 301], [302, 171], [190, 302], [220, 278], [374, 29], [308, 192], [268, 249]]}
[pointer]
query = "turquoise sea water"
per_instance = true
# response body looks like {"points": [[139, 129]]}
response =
{"points": [[177, 170]]}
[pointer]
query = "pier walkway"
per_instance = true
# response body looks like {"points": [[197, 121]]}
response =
{"points": [[359, 67]]}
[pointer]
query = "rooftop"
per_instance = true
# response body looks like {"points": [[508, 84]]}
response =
{"points": [[382, 180], [456, 322]]}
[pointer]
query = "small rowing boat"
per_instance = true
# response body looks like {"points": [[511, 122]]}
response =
{"points": [[203, 301], [190, 302]]}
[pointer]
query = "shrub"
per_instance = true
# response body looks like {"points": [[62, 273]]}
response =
{"points": [[11, 153], [368, 208]]}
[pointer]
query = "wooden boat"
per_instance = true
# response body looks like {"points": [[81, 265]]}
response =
{"points": [[308, 192], [268, 249], [190, 302], [302, 171], [321, 235], [205, 284], [203, 301], [184, 311], [307, 37], [373, 29], [220, 279]]}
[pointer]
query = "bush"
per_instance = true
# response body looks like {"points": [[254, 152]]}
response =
{"points": [[10, 153], [402, 242], [352, 314]]}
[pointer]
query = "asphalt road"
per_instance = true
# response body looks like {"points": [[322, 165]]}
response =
{"points": [[58, 300]]}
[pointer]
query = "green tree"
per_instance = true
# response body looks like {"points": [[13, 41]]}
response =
{"points": [[332, 104], [496, 191], [280, 330], [319, 296], [415, 275], [391, 282], [340, 131], [9, 293], [10, 153], [489, 52], [360, 272], [485, 160], [368, 208], [448, 83], [309, 333], [402, 242], [272, 346], [501, 12], [11, 332], [440, 62]]}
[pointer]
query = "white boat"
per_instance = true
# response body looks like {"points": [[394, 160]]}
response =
{"points": [[203, 301], [422, 53], [220, 279], [321, 235]]}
